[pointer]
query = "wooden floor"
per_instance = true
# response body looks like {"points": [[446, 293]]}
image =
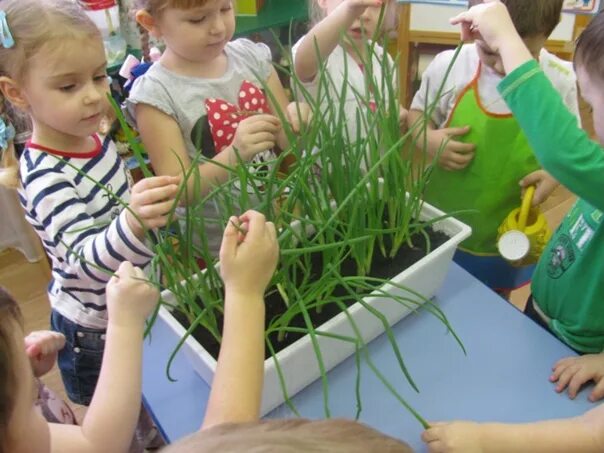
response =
{"points": [[27, 282]]}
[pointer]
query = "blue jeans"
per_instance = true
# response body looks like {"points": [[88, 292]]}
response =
{"points": [[80, 359]]}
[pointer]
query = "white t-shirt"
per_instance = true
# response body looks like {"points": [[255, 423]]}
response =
{"points": [[344, 71], [558, 71]]}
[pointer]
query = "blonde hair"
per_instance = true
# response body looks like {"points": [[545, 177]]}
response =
{"points": [[290, 436], [34, 24], [154, 7]]}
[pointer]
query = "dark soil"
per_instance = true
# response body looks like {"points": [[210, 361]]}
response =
{"points": [[381, 268]]}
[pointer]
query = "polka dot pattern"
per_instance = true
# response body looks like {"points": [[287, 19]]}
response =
{"points": [[224, 117]]}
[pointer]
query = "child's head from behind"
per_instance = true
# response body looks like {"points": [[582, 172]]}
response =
{"points": [[56, 69], [368, 24], [291, 436], [589, 64], [22, 428], [534, 20], [193, 30]]}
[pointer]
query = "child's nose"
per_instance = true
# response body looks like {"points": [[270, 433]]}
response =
{"points": [[218, 25], [92, 95]]}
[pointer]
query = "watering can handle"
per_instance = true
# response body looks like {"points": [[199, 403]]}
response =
{"points": [[525, 208]]}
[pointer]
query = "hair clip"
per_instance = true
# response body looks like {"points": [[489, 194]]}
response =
{"points": [[7, 133], [6, 38]]}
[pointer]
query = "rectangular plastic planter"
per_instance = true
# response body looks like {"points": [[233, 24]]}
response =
{"points": [[298, 361]]}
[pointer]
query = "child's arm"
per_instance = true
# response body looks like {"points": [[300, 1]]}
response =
{"points": [[564, 150], [78, 238], [247, 263], [573, 372], [113, 413], [583, 434], [325, 37], [163, 141], [42, 347]]}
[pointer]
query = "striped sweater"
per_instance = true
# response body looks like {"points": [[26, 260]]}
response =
{"points": [[82, 227]]}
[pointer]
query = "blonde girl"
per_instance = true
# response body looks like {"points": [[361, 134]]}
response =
{"points": [[339, 40], [200, 93], [70, 179]]}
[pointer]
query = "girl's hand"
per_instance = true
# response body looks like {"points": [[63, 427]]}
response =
{"points": [[455, 437], [489, 22], [358, 7], [544, 184], [151, 201], [573, 372], [42, 347], [130, 296], [403, 114], [249, 254], [255, 134], [298, 114]]}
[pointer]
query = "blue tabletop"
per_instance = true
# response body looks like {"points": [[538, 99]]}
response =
{"points": [[503, 377]]}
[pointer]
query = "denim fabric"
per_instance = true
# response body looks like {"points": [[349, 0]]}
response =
{"points": [[80, 360]]}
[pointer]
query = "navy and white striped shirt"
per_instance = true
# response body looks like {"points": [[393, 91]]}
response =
{"points": [[76, 217]]}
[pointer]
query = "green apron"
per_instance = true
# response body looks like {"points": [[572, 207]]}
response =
{"points": [[489, 184]]}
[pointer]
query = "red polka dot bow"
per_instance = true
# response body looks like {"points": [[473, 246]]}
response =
{"points": [[224, 117]]}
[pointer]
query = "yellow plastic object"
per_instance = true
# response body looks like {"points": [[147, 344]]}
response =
{"points": [[248, 7], [531, 222]]}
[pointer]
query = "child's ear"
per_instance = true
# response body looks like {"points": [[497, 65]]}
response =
{"points": [[13, 93], [146, 20], [322, 4]]}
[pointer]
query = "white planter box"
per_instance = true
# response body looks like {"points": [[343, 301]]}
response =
{"points": [[298, 361]]}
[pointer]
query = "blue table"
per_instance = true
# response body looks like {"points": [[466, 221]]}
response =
{"points": [[504, 376]]}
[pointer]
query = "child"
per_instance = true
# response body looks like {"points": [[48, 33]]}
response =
{"points": [[486, 159], [205, 92], [247, 265], [568, 287], [53, 67], [343, 29]]}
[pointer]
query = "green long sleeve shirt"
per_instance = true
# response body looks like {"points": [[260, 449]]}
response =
{"points": [[568, 284]]}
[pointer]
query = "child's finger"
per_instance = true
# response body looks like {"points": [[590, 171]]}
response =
{"points": [[565, 378], [155, 181], [156, 194], [151, 211], [33, 350], [228, 247], [575, 384], [598, 392], [256, 222]]}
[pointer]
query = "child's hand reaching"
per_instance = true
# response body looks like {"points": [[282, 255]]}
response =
{"points": [[151, 200], [298, 114], [255, 134], [42, 347], [249, 254], [130, 296], [544, 184], [489, 22], [455, 155], [358, 7], [573, 372], [454, 437]]}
